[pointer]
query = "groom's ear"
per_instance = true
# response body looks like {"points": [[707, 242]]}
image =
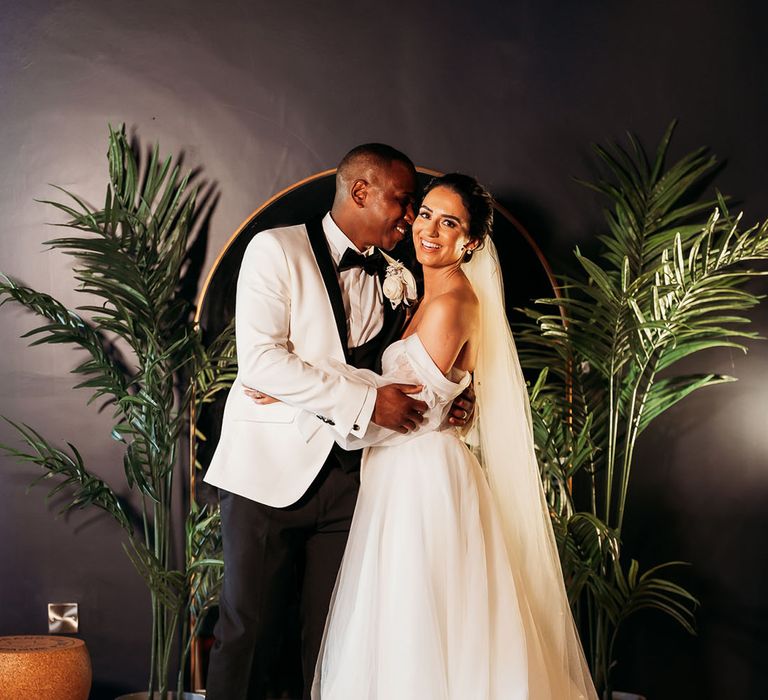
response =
{"points": [[359, 191]]}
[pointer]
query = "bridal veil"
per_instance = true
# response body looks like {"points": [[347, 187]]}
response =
{"points": [[557, 667]]}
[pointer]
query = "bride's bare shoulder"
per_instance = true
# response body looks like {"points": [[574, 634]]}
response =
{"points": [[459, 302], [449, 322]]}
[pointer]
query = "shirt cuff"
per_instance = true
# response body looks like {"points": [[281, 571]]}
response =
{"points": [[363, 418]]}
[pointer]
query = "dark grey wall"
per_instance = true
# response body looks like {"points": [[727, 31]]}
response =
{"points": [[262, 94]]}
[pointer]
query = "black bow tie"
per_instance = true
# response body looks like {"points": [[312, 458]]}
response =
{"points": [[371, 264]]}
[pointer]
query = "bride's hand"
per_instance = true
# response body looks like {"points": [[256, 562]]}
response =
{"points": [[260, 397], [463, 408]]}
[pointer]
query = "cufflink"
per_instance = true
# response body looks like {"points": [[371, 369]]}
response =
{"points": [[325, 420]]}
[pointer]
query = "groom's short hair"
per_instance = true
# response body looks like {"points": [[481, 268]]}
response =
{"points": [[368, 155]]}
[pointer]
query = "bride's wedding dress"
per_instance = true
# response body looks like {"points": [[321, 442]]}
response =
{"points": [[435, 600]]}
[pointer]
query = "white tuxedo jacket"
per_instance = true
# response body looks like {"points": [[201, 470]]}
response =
{"points": [[284, 322]]}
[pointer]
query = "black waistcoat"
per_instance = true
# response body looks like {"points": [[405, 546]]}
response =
{"points": [[368, 355]]}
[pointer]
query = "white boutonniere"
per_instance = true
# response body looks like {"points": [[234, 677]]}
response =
{"points": [[399, 283]]}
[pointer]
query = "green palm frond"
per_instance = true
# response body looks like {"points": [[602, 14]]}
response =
{"points": [[134, 257], [650, 204], [83, 488], [665, 393], [168, 585], [648, 590], [585, 544], [218, 369], [563, 448], [204, 554], [104, 373], [204, 572], [109, 271]]}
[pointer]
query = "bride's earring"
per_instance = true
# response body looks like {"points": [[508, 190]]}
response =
{"points": [[467, 254]]}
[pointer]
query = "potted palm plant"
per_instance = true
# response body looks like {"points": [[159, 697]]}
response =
{"points": [[130, 260], [670, 280]]}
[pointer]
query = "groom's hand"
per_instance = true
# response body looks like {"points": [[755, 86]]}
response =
{"points": [[396, 410], [260, 397]]}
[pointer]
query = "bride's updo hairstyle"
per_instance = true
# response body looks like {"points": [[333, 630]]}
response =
{"points": [[477, 201]]}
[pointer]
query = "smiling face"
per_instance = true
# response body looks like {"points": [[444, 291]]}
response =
{"points": [[441, 229], [388, 204]]}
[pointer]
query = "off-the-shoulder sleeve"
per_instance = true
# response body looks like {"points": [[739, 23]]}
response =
{"points": [[411, 365]]}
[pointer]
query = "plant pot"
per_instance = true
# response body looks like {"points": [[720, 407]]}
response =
{"points": [[156, 696]]}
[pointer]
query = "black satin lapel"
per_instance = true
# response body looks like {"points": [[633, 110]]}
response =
{"points": [[328, 272]]}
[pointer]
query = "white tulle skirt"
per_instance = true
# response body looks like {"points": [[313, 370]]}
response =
{"points": [[425, 606]]}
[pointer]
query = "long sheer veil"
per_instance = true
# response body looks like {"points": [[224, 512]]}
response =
{"points": [[556, 663]]}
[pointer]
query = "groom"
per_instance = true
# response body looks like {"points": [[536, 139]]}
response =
{"points": [[305, 293]]}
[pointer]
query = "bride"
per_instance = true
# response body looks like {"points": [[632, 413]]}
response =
{"points": [[451, 587]]}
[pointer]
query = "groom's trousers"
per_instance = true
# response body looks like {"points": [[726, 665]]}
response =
{"points": [[274, 556]]}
